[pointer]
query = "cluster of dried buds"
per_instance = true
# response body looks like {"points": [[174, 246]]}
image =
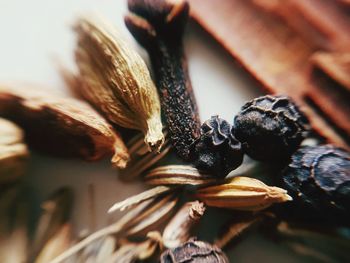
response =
{"points": [[119, 91]]}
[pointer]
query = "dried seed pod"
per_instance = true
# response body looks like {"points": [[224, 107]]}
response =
{"points": [[13, 152], [177, 175], [194, 251], [216, 150], [62, 126], [116, 80], [242, 193], [318, 178], [158, 26], [270, 128], [179, 229]]}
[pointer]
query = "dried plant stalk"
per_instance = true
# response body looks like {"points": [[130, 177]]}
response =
{"points": [[178, 230], [13, 152], [242, 193], [62, 125], [136, 199], [116, 80], [141, 218], [177, 175]]}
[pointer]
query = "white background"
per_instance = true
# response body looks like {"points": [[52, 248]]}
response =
{"points": [[36, 33]]}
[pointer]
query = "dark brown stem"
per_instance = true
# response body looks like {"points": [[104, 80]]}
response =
{"points": [[158, 26]]}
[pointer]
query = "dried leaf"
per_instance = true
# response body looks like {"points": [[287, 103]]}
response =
{"points": [[242, 193], [136, 199], [106, 250], [178, 230], [62, 125], [55, 245], [116, 80], [13, 151], [177, 175]]}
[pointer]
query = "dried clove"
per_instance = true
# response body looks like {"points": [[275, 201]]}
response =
{"points": [[270, 128], [194, 251], [13, 152], [116, 80], [216, 150], [62, 126], [318, 178], [158, 26]]}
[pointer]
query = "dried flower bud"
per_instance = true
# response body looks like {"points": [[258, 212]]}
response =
{"points": [[116, 80], [318, 178], [194, 251], [13, 152], [270, 128], [217, 150]]}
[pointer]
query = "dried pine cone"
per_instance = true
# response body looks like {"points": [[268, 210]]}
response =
{"points": [[318, 178], [216, 150], [270, 128], [194, 251]]}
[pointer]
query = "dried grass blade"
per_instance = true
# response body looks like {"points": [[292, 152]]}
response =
{"points": [[136, 199]]}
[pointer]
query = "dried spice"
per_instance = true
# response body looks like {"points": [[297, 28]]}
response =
{"points": [[283, 37], [13, 151], [270, 128], [194, 251], [318, 178], [116, 80], [178, 230], [177, 175], [242, 193], [158, 26], [216, 150], [62, 126]]}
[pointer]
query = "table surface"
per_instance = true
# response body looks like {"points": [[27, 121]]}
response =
{"points": [[36, 34]]}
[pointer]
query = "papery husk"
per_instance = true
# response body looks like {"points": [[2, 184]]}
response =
{"points": [[178, 175], [180, 227], [116, 80], [13, 151], [242, 193], [60, 125]]}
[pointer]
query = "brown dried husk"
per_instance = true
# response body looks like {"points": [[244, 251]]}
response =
{"points": [[64, 126], [115, 79]]}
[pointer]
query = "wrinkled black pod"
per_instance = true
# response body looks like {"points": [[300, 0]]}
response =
{"points": [[318, 179], [216, 150], [270, 128]]}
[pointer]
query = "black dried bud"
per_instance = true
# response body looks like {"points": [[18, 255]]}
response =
{"points": [[270, 128], [194, 251], [318, 179], [216, 150]]}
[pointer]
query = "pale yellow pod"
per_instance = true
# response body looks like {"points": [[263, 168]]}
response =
{"points": [[116, 80]]}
